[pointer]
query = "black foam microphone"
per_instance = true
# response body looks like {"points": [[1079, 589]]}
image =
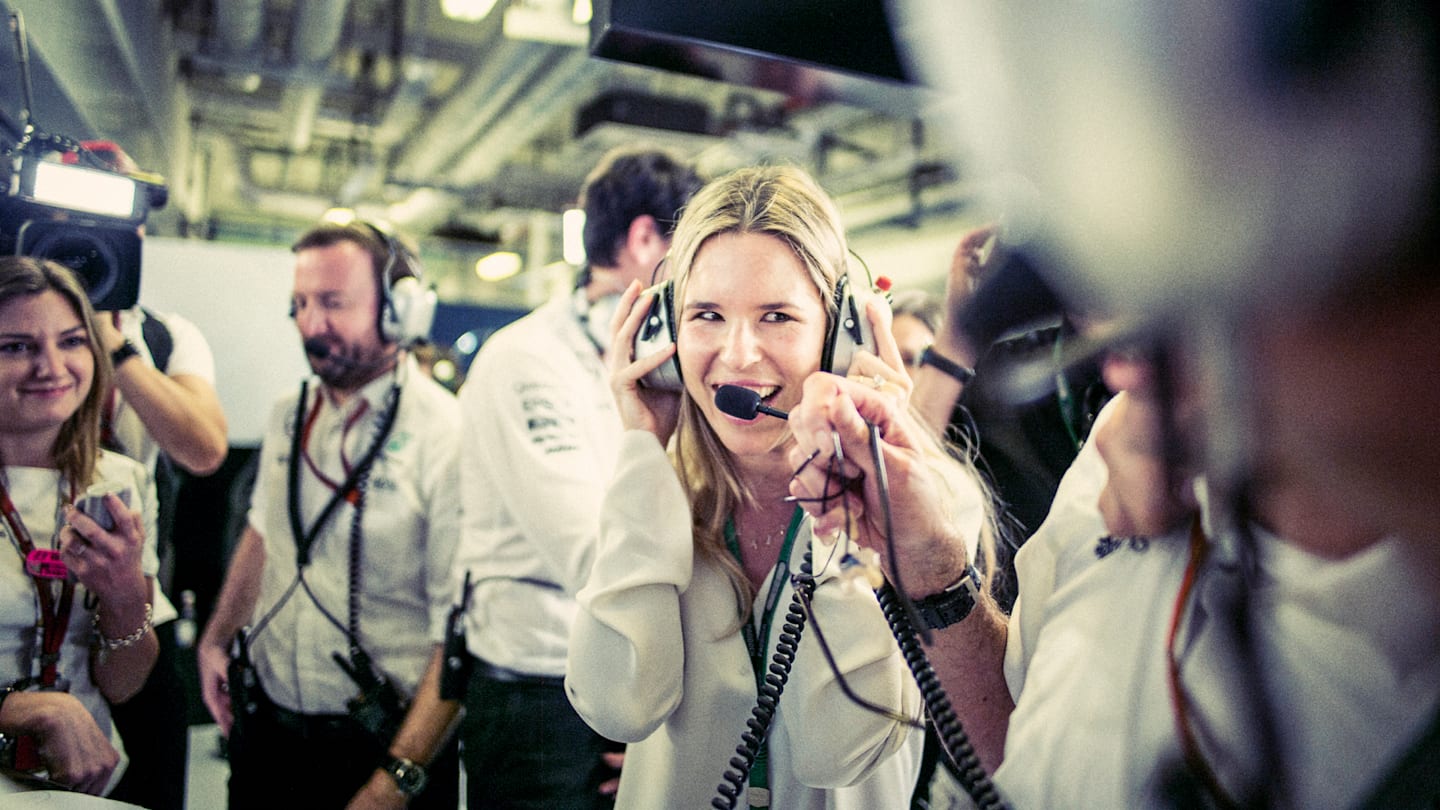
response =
{"points": [[320, 349], [317, 348], [742, 403]]}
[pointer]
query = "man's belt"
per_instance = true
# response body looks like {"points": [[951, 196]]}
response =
{"points": [[489, 671], [311, 725]]}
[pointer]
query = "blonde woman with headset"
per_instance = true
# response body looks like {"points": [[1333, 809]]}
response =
{"points": [[687, 602]]}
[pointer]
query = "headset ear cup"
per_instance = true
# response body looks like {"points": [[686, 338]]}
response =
{"points": [[408, 312], [850, 331], [839, 345], [657, 332]]}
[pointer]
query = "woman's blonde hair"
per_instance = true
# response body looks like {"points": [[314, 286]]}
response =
{"points": [[785, 203], [78, 445]]}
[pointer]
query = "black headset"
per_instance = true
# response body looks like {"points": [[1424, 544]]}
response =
{"points": [[848, 332]]}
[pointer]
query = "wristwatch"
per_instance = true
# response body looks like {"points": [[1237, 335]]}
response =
{"points": [[409, 777], [126, 351], [961, 374], [951, 605]]}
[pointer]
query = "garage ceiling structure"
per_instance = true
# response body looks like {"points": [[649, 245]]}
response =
{"points": [[472, 136]]}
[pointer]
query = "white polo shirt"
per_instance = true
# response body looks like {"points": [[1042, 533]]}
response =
{"points": [[410, 521], [1348, 649]]}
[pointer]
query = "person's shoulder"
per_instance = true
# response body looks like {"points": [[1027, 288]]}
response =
{"points": [[430, 397], [178, 324], [113, 466], [532, 335], [527, 361]]}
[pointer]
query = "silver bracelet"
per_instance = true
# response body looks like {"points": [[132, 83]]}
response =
{"points": [[111, 644]]}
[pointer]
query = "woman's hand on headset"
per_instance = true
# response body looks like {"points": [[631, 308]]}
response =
{"points": [[930, 546], [641, 408], [883, 368]]}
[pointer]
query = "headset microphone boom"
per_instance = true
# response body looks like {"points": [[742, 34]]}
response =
{"points": [[742, 403]]}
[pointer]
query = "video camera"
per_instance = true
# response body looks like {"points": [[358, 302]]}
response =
{"points": [[86, 217]]}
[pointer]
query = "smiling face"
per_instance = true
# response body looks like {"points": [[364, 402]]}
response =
{"points": [[751, 317], [46, 369]]}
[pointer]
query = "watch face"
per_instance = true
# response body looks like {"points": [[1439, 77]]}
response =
{"points": [[408, 776]]}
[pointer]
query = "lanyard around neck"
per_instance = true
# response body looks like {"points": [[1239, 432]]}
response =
{"points": [[353, 495], [757, 644], [54, 615], [304, 540]]}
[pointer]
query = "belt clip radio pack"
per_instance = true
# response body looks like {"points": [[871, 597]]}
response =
{"points": [[380, 707], [457, 662]]}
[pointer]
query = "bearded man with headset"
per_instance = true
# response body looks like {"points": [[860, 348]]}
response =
{"points": [[335, 600], [540, 438]]}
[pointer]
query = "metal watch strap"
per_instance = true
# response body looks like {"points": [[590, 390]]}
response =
{"points": [[951, 605], [410, 778]]}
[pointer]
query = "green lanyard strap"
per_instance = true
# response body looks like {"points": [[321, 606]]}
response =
{"points": [[758, 643]]}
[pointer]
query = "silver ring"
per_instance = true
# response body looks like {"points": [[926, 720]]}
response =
{"points": [[78, 548], [877, 381]]}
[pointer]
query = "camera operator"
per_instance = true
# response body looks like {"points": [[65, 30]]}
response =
{"points": [[345, 563], [163, 401]]}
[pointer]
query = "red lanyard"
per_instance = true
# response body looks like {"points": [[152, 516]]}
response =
{"points": [[353, 496], [1179, 699], [54, 618], [108, 439]]}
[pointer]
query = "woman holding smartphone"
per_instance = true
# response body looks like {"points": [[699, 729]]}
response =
{"points": [[75, 612]]}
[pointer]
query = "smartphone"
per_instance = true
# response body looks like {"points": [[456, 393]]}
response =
{"points": [[92, 503]]}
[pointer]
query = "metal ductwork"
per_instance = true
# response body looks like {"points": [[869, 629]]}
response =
{"points": [[509, 71], [315, 34], [239, 25], [565, 82]]}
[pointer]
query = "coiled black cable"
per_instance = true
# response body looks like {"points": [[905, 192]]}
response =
{"points": [[735, 781], [953, 740]]}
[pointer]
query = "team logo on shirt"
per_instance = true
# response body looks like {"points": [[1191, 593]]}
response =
{"points": [[1109, 544], [397, 442]]}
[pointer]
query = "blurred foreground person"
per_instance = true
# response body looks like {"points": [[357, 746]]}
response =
{"points": [[1234, 601]]}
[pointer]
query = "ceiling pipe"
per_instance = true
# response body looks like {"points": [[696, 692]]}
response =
{"points": [[149, 58], [507, 71], [301, 105], [314, 36], [406, 105], [566, 82], [315, 31], [423, 209], [238, 25]]}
